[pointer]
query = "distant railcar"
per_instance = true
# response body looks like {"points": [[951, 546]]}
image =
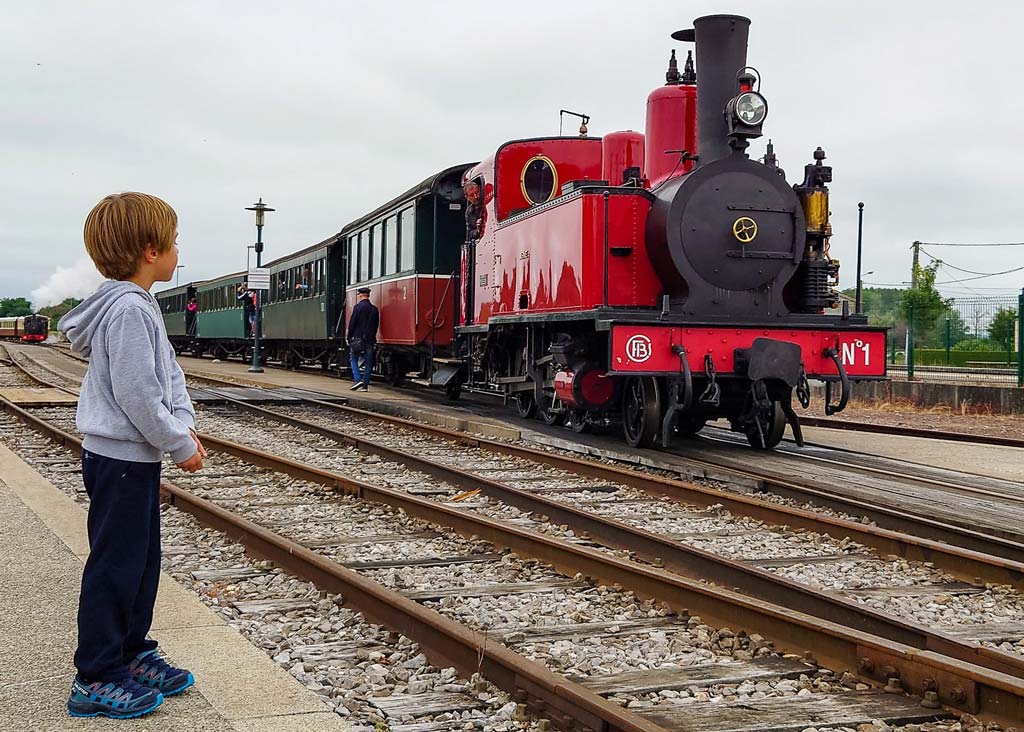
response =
{"points": [[35, 328], [25, 328]]}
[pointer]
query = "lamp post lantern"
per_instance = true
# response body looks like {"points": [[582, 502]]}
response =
{"points": [[260, 208]]}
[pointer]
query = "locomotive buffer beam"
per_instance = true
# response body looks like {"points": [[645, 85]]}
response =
{"points": [[675, 402]]}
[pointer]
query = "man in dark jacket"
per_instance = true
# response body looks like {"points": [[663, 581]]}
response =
{"points": [[362, 337]]}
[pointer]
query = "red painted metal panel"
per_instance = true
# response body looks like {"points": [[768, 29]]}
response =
{"points": [[557, 257], [619, 151], [671, 125], [574, 158], [411, 308], [648, 348]]}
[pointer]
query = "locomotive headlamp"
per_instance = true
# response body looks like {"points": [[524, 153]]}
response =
{"points": [[746, 111], [751, 108]]}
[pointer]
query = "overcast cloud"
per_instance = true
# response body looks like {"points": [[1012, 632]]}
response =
{"points": [[327, 109]]}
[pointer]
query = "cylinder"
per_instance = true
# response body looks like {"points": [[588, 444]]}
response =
{"points": [[721, 53], [587, 389], [620, 151], [671, 126]]}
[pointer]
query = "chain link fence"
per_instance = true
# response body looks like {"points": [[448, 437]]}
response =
{"points": [[965, 340]]}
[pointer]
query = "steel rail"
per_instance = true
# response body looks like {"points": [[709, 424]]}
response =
{"points": [[569, 705], [856, 467], [39, 379], [685, 560], [892, 534], [834, 424], [958, 684], [906, 535]]}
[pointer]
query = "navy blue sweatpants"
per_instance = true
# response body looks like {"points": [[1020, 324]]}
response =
{"points": [[121, 575]]}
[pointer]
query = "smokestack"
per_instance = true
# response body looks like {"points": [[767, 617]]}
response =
{"points": [[721, 53]]}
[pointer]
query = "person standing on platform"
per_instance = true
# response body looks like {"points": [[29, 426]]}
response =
{"points": [[132, 409], [362, 337], [248, 299]]}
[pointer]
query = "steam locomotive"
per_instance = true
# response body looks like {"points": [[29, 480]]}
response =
{"points": [[658, 280], [27, 328], [663, 279]]}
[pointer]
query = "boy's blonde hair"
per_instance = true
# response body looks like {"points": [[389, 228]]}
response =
{"points": [[122, 225]]}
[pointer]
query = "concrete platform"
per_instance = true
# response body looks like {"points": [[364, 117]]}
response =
{"points": [[38, 397], [42, 547]]}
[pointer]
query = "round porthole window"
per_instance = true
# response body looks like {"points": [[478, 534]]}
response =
{"points": [[539, 179]]}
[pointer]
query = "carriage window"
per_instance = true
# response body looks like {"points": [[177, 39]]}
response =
{"points": [[407, 240], [321, 267], [364, 255], [539, 180], [376, 249], [391, 245], [353, 259]]}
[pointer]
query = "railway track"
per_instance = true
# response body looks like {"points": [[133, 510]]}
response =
{"points": [[962, 564], [826, 423], [569, 555], [900, 431]]}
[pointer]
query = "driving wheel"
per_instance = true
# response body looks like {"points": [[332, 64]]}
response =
{"points": [[641, 411], [767, 432]]}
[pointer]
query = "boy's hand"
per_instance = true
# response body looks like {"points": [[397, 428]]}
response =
{"points": [[193, 464], [199, 445]]}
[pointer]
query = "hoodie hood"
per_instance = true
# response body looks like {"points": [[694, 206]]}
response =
{"points": [[81, 323]]}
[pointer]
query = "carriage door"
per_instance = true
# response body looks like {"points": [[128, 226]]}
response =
{"points": [[337, 270]]}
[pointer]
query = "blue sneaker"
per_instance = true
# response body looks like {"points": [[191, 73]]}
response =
{"points": [[150, 669], [123, 699]]}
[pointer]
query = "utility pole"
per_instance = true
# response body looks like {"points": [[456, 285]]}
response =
{"points": [[860, 236], [917, 259]]}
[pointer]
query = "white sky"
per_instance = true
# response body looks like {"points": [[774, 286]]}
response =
{"points": [[327, 109]]}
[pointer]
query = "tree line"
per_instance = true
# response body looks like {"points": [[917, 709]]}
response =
{"points": [[13, 307], [967, 324]]}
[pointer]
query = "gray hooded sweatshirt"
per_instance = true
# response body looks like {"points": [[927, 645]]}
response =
{"points": [[133, 404]]}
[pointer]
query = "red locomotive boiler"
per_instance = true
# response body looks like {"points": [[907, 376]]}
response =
{"points": [[662, 280]]}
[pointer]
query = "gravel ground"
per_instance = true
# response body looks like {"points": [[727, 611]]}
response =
{"points": [[690, 642], [366, 661], [731, 536]]}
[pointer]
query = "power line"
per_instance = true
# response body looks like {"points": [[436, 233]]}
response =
{"points": [[971, 244], [969, 271]]}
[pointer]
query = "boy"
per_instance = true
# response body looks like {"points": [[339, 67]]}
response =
{"points": [[132, 408]]}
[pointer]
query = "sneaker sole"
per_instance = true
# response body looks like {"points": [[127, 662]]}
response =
{"points": [[112, 714]]}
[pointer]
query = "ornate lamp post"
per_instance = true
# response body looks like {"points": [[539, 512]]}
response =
{"points": [[260, 208]]}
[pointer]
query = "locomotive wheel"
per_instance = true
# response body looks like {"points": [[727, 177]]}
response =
{"points": [[526, 405], [548, 416], [773, 426], [641, 411], [453, 391], [577, 421]]}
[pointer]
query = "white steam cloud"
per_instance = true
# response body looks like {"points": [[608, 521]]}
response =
{"points": [[79, 281]]}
